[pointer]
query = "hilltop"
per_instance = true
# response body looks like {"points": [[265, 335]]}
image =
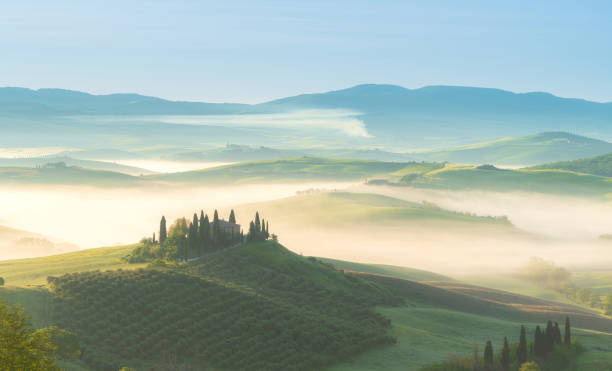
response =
{"points": [[599, 165], [524, 151]]}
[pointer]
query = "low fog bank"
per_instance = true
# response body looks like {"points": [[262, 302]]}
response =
{"points": [[95, 217], [167, 166], [548, 215]]}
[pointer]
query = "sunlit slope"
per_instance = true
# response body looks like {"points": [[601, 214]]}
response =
{"points": [[70, 161], [442, 319], [330, 209], [27, 272], [298, 169], [529, 150], [599, 165], [387, 270], [65, 175], [256, 307], [466, 177]]}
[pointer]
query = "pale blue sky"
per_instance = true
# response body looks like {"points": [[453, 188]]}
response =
{"points": [[251, 51]]}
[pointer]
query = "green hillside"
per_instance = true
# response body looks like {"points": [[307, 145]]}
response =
{"points": [[69, 161], [59, 174], [599, 165], [263, 307], [346, 209], [298, 169], [490, 178], [387, 270], [529, 150], [445, 319], [258, 307]]}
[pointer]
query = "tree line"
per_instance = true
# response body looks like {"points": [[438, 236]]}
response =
{"points": [[186, 239], [548, 351]]}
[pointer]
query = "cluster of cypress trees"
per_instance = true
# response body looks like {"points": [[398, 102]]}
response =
{"points": [[198, 237], [258, 229], [544, 342], [201, 236]]}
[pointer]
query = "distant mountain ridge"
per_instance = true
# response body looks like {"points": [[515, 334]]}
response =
{"points": [[432, 116]]}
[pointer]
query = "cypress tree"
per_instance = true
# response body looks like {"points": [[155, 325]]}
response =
{"points": [[488, 355], [257, 222], [505, 355], [568, 336], [215, 238], [538, 348], [558, 339], [267, 230], [232, 217], [162, 230], [203, 231], [549, 337], [521, 351], [196, 234], [251, 234]]}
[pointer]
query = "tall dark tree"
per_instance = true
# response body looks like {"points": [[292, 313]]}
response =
{"points": [[539, 348], [568, 336], [204, 232], [163, 233], [252, 234], [549, 337], [488, 355], [216, 235], [521, 351], [257, 222], [505, 355], [191, 239], [267, 229], [196, 234], [558, 339], [232, 217]]}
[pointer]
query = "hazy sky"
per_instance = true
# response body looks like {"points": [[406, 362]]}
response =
{"points": [[251, 51]]}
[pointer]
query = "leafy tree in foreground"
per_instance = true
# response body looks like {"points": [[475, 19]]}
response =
{"points": [[488, 355], [162, 230], [568, 336], [22, 348], [505, 355], [66, 342], [521, 351]]}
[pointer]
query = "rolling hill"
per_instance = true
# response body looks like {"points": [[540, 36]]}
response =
{"points": [[599, 165], [524, 151], [490, 178], [298, 169], [273, 303], [60, 174], [69, 161]]}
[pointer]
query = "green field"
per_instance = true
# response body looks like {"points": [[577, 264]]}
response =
{"points": [[553, 181], [599, 165], [34, 272], [523, 151], [439, 317]]}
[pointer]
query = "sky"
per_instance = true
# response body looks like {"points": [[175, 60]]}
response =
{"points": [[252, 51]]}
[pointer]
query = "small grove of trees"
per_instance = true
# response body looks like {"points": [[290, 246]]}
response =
{"points": [[200, 235], [258, 229], [549, 349], [22, 348], [547, 274]]}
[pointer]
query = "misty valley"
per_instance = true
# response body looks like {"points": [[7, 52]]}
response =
{"points": [[305, 185]]}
